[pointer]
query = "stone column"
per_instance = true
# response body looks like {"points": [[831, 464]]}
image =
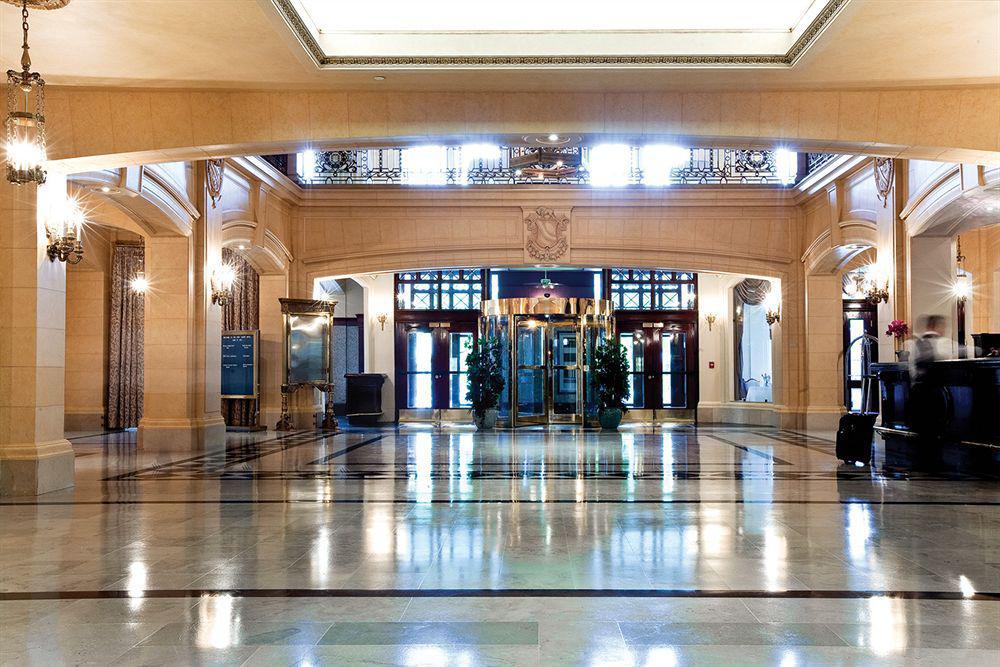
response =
{"points": [[824, 334], [179, 413], [35, 458]]}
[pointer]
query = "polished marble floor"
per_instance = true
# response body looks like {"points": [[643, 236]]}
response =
{"points": [[442, 546]]}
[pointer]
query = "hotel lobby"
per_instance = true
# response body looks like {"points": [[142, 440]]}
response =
{"points": [[445, 335]]}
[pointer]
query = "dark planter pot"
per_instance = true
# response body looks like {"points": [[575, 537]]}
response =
{"points": [[610, 419], [486, 421]]}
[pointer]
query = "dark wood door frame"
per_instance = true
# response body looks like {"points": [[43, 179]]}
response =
{"points": [[683, 321], [443, 322], [866, 311]]}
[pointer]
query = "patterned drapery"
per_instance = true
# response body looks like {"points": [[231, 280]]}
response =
{"points": [[752, 290], [241, 313], [125, 339]]}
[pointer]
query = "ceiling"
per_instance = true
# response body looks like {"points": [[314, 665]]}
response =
{"points": [[457, 33], [247, 44]]}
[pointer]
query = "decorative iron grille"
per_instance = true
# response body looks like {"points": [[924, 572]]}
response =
{"points": [[385, 166]]}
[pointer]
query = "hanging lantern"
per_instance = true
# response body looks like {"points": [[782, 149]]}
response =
{"points": [[24, 126]]}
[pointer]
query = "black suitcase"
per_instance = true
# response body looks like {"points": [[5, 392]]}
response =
{"points": [[854, 437], [857, 429]]}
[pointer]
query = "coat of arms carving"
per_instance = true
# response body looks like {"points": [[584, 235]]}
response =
{"points": [[548, 238]]}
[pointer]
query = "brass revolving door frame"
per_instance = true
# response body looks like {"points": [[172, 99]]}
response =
{"points": [[591, 319]]}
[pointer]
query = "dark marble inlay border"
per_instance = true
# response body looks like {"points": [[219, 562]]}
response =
{"points": [[502, 501], [838, 594], [345, 450], [765, 455]]}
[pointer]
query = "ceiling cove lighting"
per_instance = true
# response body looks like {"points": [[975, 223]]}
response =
{"points": [[657, 161], [24, 127], [425, 165], [610, 165], [786, 164]]}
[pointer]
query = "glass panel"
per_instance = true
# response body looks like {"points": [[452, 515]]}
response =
{"points": [[564, 351], [674, 390], [855, 399], [530, 392], [668, 297], [673, 352], [673, 362], [635, 353], [619, 274], [473, 274], [640, 275], [307, 348], [453, 274], [564, 391], [530, 346], [428, 275], [687, 296], [419, 355], [459, 346], [663, 276], [855, 328]]}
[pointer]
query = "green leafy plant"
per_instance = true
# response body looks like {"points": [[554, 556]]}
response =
{"points": [[610, 376], [485, 363]]}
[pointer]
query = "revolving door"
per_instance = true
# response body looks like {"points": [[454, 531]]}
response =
{"points": [[548, 345]]}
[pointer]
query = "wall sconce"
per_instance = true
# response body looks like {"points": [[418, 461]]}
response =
{"points": [[139, 283], [876, 285], [65, 232], [382, 317], [962, 287], [772, 306], [710, 318], [222, 280]]}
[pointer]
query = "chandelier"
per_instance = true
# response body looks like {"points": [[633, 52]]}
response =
{"points": [[963, 283], [24, 127], [876, 290], [546, 163], [64, 230]]}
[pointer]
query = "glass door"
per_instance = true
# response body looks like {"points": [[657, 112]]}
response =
{"points": [[634, 342], [564, 372], [660, 357], [531, 372], [436, 365], [860, 318]]}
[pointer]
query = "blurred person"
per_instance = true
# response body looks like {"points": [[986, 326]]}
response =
{"points": [[929, 346], [928, 400]]}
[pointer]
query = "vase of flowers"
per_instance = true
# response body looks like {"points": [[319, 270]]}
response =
{"points": [[899, 330]]}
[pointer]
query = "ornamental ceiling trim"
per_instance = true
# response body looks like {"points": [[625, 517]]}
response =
{"points": [[810, 35]]}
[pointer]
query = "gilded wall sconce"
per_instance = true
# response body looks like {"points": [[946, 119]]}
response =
{"points": [[222, 280], [64, 231], [382, 318]]}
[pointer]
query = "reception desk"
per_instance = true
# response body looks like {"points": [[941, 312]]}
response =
{"points": [[951, 417]]}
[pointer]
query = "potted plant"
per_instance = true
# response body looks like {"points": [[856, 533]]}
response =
{"points": [[610, 379], [899, 330], [485, 364]]}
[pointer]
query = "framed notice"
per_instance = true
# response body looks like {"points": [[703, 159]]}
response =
{"points": [[240, 350]]}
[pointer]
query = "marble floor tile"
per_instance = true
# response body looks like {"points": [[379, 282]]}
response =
{"points": [[443, 546]]}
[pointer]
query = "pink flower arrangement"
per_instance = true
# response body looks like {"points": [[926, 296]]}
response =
{"points": [[898, 329]]}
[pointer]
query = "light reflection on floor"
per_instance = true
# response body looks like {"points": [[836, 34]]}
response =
{"points": [[653, 546]]}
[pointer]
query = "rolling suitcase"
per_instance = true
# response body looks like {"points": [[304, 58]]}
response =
{"points": [[857, 429], [854, 437]]}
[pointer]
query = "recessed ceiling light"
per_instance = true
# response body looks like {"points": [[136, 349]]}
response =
{"points": [[242, 247], [379, 78], [553, 137]]}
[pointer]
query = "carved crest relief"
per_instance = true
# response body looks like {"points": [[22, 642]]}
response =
{"points": [[547, 234], [214, 172], [883, 178]]}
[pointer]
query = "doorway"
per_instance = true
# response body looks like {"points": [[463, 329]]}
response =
{"points": [[432, 368], [549, 369], [662, 357], [860, 319]]}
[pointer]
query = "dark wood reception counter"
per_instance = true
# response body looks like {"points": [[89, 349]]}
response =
{"points": [[953, 411]]}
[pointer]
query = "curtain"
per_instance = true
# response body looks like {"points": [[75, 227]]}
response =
{"points": [[242, 313], [751, 291], [125, 339]]}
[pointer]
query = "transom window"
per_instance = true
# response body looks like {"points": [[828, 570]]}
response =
{"points": [[448, 289], [652, 289]]}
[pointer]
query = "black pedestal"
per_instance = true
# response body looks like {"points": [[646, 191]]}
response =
{"points": [[364, 398]]}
